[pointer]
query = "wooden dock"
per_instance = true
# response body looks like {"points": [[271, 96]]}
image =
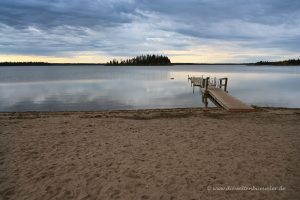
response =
{"points": [[216, 89]]}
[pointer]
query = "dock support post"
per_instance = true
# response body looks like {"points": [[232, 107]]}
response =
{"points": [[225, 86], [204, 100], [206, 84]]}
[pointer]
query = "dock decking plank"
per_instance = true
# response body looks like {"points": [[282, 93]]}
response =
{"points": [[227, 101]]}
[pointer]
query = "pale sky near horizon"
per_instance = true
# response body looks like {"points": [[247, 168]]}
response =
{"points": [[96, 31]]}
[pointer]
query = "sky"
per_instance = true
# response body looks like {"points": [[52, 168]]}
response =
{"points": [[199, 31]]}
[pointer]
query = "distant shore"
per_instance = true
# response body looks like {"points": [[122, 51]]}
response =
{"points": [[43, 64], [150, 154], [172, 64]]}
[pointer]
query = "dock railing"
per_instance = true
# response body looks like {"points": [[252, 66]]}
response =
{"points": [[206, 82], [223, 83]]}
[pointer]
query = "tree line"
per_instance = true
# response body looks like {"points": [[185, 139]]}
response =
{"points": [[285, 62], [23, 63], [143, 60]]}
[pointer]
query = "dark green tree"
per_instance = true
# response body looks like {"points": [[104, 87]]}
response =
{"points": [[143, 60]]}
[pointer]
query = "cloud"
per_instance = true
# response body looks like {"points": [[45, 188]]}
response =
{"points": [[76, 13], [121, 28]]}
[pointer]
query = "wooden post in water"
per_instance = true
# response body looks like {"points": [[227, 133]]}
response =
{"points": [[225, 85], [204, 100], [206, 84]]}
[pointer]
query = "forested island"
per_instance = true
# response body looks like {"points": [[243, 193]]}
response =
{"points": [[285, 62], [143, 60]]}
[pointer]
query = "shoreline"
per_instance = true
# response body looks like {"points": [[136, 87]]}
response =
{"points": [[191, 109], [184, 153], [173, 64]]}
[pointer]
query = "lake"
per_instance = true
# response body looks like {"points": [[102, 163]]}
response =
{"points": [[87, 88]]}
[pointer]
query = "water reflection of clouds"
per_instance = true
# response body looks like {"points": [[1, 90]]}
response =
{"points": [[94, 88], [39, 74], [92, 95], [279, 93], [274, 97], [234, 76]]}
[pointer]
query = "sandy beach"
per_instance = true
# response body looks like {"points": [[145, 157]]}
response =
{"points": [[151, 154]]}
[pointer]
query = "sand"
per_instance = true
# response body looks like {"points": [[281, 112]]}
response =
{"points": [[150, 154]]}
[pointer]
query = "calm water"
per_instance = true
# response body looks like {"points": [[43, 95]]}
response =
{"points": [[73, 88]]}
